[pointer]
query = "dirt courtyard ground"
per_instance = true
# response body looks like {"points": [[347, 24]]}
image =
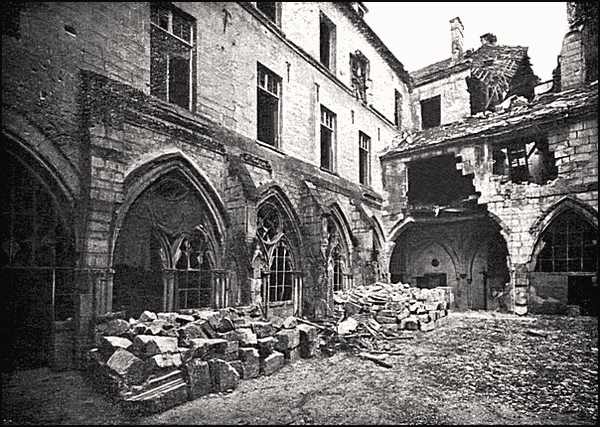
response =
{"points": [[482, 368]]}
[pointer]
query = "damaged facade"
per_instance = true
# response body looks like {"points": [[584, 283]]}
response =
{"points": [[163, 156]]}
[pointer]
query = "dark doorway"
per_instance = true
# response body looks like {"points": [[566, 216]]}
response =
{"points": [[583, 291]]}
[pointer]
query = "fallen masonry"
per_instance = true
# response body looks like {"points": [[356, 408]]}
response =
{"points": [[162, 360]]}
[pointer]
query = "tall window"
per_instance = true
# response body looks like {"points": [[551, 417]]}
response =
{"points": [[268, 94], [364, 159], [271, 230], [359, 74], [171, 51], [327, 42], [194, 272], [270, 9], [430, 112], [570, 244], [397, 108], [327, 138], [338, 269]]}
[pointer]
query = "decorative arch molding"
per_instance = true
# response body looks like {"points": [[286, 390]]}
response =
{"points": [[401, 226], [504, 229], [338, 215], [27, 138], [140, 177], [566, 204]]}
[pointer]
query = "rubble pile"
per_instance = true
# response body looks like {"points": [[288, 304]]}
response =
{"points": [[386, 308], [161, 360]]}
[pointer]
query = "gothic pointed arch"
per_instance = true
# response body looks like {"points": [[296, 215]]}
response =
{"points": [[169, 238]]}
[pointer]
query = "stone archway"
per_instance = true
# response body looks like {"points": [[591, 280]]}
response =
{"points": [[169, 250]]}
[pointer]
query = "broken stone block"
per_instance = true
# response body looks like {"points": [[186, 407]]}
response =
{"points": [[232, 335], [223, 376], [198, 348], [390, 329], [351, 308], [291, 355], [246, 337], [198, 378], [424, 317], [277, 322], [307, 333], [127, 366], [238, 366], [147, 316], [231, 350], [225, 325], [442, 321], [212, 317], [149, 345], [266, 346], [290, 322], [163, 361], [402, 314], [184, 318], [109, 344], [288, 339], [116, 327], [250, 359], [271, 363], [167, 317], [433, 315], [188, 332], [346, 326], [411, 323], [157, 395], [262, 329], [385, 319], [427, 326]]}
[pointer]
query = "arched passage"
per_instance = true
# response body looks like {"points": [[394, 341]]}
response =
{"points": [[564, 262], [169, 249], [37, 258]]}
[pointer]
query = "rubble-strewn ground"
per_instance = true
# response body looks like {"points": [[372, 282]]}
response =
{"points": [[482, 368]]}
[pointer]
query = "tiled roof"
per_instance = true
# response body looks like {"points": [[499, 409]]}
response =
{"points": [[518, 115], [501, 60]]}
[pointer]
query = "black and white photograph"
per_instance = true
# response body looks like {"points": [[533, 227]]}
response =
{"points": [[286, 213]]}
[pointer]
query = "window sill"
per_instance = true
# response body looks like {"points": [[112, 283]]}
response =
{"points": [[281, 303], [270, 147], [329, 171]]}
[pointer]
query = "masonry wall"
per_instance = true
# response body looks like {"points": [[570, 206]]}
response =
{"points": [[455, 101]]}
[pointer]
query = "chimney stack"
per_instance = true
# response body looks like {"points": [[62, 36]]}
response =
{"points": [[488, 39], [456, 35]]}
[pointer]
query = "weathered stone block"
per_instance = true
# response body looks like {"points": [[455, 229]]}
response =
{"points": [[309, 349], [427, 326], [247, 337], [308, 333], [238, 366], [190, 331], [198, 378], [158, 395], [223, 376], [159, 345], [147, 316], [163, 361], [271, 363], [127, 366], [110, 344], [287, 339], [184, 319], [290, 322], [266, 346], [262, 329], [402, 314], [411, 323], [116, 327], [250, 359], [291, 355]]}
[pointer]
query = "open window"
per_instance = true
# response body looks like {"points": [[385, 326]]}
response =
{"points": [[359, 74], [327, 42], [268, 94], [431, 112], [397, 108], [328, 120], [171, 51], [525, 160], [364, 158]]}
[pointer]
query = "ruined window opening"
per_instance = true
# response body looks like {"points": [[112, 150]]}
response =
{"points": [[359, 72], [268, 94], [397, 108], [194, 272], [328, 121], [327, 42], [525, 160], [364, 158], [430, 112], [570, 245], [270, 230], [436, 181], [338, 269], [270, 9], [171, 51]]}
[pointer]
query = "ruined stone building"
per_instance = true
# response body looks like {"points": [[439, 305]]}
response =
{"points": [[163, 156]]}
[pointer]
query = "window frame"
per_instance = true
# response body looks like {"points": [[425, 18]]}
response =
{"points": [[397, 108], [325, 21], [171, 13], [263, 87], [277, 6], [429, 101], [329, 123], [366, 149]]}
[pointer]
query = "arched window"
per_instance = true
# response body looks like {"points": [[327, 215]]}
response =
{"points": [[194, 271], [338, 268], [337, 256], [273, 230], [569, 245]]}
